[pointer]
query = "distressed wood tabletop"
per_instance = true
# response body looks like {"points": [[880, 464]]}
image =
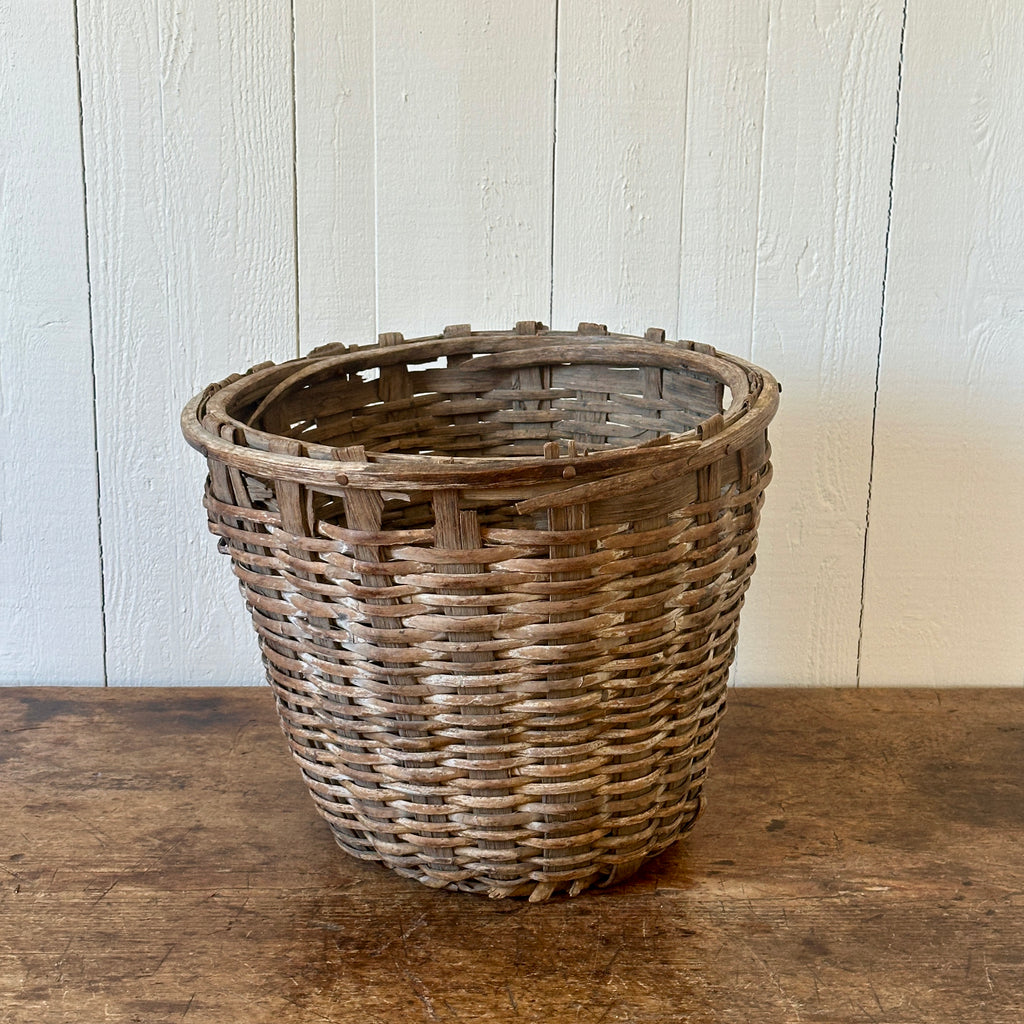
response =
{"points": [[860, 860]]}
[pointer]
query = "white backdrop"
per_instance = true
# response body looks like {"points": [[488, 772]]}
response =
{"points": [[833, 189]]}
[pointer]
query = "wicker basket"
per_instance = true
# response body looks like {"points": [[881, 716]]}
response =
{"points": [[496, 579]]}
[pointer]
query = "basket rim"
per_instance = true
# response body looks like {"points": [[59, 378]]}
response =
{"points": [[209, 427]]}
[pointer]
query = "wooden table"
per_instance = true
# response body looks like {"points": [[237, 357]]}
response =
{"points": [[860, 860]]}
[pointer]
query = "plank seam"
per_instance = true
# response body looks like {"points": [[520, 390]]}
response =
{"points": [[760, 178], [554, 156], [92, 350], [295, 193], [754, 276], [679, 330], [376, 171], [878, 354]]}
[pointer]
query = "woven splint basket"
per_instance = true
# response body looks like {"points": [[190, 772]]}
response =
{"points": [[496, 578]]}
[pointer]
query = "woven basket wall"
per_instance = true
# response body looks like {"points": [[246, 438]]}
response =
{"points": [[496, 579]]}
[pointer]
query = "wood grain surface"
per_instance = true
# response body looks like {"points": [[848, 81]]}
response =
{"points": [[858, 862]]}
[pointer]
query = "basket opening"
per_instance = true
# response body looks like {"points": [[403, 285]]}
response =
{"points": [[480, 411]]}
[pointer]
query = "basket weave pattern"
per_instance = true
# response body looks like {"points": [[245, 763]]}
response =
{"points": [[497, 598]]}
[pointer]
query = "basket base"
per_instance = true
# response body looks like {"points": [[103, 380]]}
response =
{"points": [[531, 884]]}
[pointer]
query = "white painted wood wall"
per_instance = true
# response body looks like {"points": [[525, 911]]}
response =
{"points": [[835, 189]]}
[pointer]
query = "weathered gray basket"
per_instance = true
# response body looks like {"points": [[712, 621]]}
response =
{"points": [[496, 579]]}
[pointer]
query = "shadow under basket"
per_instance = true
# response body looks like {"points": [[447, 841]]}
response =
{"points": [[496, 578]]}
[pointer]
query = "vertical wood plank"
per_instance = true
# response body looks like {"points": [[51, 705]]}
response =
{"points": [[622, 96], [50, 596], [463, 153], [825, 167], [335, 171], [943, 600], [722, 173], [719, 215], [188, 139]]}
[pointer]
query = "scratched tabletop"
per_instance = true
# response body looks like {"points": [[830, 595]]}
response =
{"points": [[861, 859]]}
